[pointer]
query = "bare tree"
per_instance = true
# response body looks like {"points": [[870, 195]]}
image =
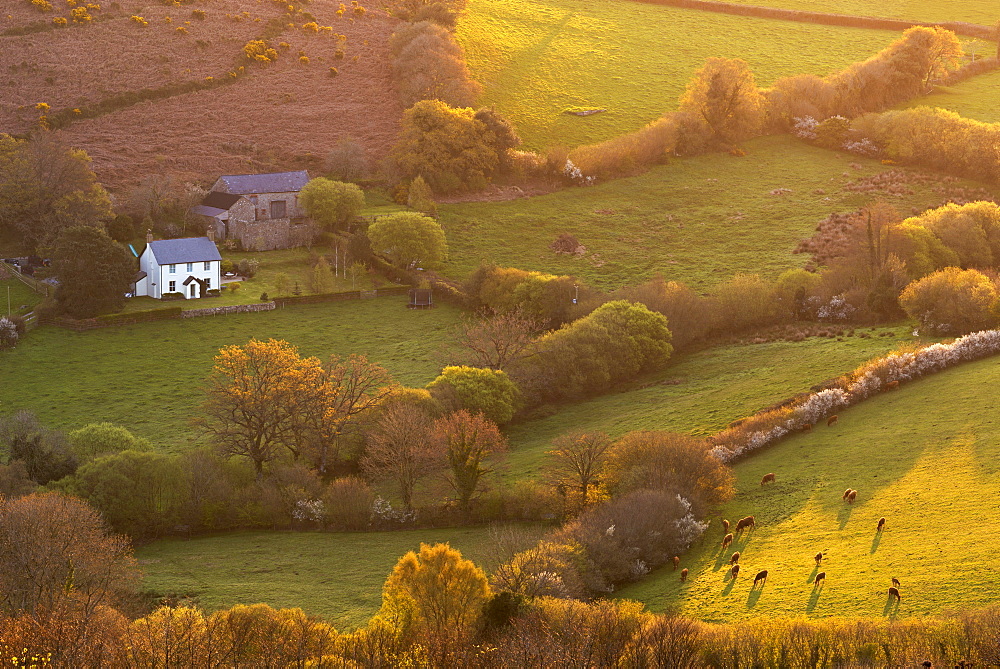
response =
{"points": [[499, 339], [576, 461], [400, 449], [467, 441]]}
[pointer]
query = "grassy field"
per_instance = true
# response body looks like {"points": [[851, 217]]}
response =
{"points": [[698, 220], [929, 466], [976, 98], [338, 576], [715, 387], [540, 57], [148, 376], [983, 12], [16, 297]]}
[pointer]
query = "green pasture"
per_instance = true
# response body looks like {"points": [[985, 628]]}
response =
{"points": [[925, 457], [538, 58], [698, 220], [338, 576], [702, 392], [983, 12], [16, 298], [976, 98], [148, 377]]}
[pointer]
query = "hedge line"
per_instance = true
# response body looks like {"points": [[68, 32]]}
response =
{"points": [[960, 27]]}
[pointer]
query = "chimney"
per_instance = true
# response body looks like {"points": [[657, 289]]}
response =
{"points": [[149, 235], [210, 233]]}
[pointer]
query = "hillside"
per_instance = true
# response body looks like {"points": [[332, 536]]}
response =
{"points": [[925, 457], [277, 115]]}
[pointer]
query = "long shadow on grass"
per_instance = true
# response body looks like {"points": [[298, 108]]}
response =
{"points": [[844, 515], [814, 598], [754, 595], [891, 609], [875, 543], [812, 576], [729, 586]]}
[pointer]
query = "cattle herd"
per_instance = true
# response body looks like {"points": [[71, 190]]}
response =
{"points": [[749, 523]]}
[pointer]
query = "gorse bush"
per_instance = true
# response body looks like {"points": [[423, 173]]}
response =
{"points": [[952, 301], [428, 64]]}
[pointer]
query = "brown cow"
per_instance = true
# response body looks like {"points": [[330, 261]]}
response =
{"points": [[894, 592], [726, 540], [735, 558], [819, 558], [881, 524], [768, 478], [820, 578], [895, 581], [677, 562], [760, 577], [852, 497], [832, 420], [745, 523], [735, 571], [684, 574], [807, 427], [725, 526], [847, 492], [892, 385]]}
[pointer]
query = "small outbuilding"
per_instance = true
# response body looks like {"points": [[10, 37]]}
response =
{"points": [[187, 268]]}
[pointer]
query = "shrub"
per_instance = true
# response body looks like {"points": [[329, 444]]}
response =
{"points": [[428, 64], [232, 285], [348, 503], [690, 316], [227, 266], [247, 267], [420, 197], [952, 301], [8, 333], [745, 301], [617, 341], [97, 439], [486, 391], [408, 239], [547, 297], [332, 204]]}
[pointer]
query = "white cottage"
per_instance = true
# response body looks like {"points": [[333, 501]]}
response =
{"points": [[190, 266]]}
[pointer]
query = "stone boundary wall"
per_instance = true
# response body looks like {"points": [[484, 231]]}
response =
{"points": [[231, 309]]}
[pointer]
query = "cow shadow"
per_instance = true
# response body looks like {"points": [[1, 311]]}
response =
{"points": [[730, 583], [814, 598], [891, 610], [875, 543], [844, 514], [754, 595], [812, 575]]}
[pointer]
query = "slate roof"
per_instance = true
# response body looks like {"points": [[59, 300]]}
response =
{"points": [[207, 211], [276, 182], [188, 249], [219, 200]]}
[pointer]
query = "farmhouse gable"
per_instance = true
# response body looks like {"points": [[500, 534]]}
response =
{"points": [[187, 268]]}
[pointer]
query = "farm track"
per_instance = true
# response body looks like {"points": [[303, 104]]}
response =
{"points": [[848, 20]]}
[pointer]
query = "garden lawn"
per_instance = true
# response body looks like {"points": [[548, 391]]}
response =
{"points": [[703, 392], [983, 12], [925, 457], [538, 58], [976, 98], [698, 220], [338, 576], [149, 376]]}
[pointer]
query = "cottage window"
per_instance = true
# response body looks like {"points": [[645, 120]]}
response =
{"points": [[208, 266], [190, 267], [278, 209], [172, 287], [173, 269]]}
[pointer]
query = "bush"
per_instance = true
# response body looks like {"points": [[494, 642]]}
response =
{"points": [[408, 239], [616, 342], [8, 333], [247, 267], [952, 301], [97, 439], [172, 296], [348, 504], [745, 301], [486, 391], [690, 316], [348, 161], [332, 204], [428, 64], [232, 285], [547, 297], [228, 266]]}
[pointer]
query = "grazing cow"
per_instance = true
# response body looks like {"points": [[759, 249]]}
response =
{"points": [[852, 497], [726, 540], [847, 492], [725, 526], [820, 578], [735, 558], [881, 525], [819, 558], [735, 571], [677, 562], [744, 523], [807, 427], [894, 592], [768, 478], [831, 420], [761, 577], [684, 574], [892, 385], [895, 581]]}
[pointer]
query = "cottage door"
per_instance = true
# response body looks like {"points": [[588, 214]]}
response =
{"points": [[193, 288]]}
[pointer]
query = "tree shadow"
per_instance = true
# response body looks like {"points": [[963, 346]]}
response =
{"points": [[891, 609], [844, 514], [754, 595], [814, 598], [875, 543], [812, 576]]}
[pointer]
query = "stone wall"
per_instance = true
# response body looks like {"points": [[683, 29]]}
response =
{"points": [[233, 309], [277, 233]]}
